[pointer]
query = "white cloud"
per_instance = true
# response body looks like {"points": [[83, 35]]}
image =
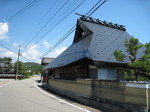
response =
{"points": [[39, 61], [9, 54], [2, 49], [46, 44], [32, 53], [57, 52], [15, 45], [3, 31]]}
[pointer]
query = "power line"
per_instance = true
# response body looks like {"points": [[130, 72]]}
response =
{"points": [[98, 7], [73, 28], [93, 7], [7, 48], [42, 26], [37, 26], [10, 46], [23, 10], [46, 24], [60, 32], [13, 51], [58, 23], [62, 39]]}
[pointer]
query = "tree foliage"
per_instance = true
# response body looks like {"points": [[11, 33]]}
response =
{"points": [[6, 63], [21, 68], [139, 65], [132, 46], [119, 55], [34, 67]]}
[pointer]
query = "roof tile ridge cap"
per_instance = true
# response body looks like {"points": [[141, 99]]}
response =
{"points": [[105, 23]]}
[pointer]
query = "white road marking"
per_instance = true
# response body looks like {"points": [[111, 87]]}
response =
{"points": [[60, 99], [6, 84]]}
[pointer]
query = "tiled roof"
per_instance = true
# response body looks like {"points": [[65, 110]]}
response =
{"points": [[46, 60], [99, 45], [109, 24]]}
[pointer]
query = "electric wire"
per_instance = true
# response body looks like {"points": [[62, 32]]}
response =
{"points": [[38, 25], [58, 22], [70, 31], [58, 17], [73, 28], [98, 7], [93, 7], [42, 26], [62, 39], [61, 31], [8, 48], [13, 51], [47, 23], [23, 10]]}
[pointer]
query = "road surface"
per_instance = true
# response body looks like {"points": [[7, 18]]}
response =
{"points": [[25, 96], [4, 81]]}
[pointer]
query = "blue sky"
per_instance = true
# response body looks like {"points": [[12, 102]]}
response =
{"points": [[134, 14]]}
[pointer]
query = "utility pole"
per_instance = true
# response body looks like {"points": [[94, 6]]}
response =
{"points": [[17, 63]]}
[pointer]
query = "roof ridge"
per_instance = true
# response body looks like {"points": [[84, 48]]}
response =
{"points": [[97, 21]]}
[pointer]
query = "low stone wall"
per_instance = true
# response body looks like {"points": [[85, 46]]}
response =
{"points": [[109, 90], [78, 87], [129, 96], [138, 93], [10, 76]]}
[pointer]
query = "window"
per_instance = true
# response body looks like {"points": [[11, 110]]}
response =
{"points": [[111, 74], [107, 74]]}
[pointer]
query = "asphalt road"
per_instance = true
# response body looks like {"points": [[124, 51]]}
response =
{"points": [[25, 96], [4, 81]]}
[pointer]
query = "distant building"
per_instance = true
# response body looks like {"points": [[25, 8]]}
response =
{"points": [[44, 62], [5, 68], [29, 71]]}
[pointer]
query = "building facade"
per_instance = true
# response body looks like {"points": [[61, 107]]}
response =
{"points": [[91, 53], [88, 72]]}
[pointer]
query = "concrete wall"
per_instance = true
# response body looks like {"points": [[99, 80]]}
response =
{"points": [[79, 87], [129, 95], [109, 90], [137, 93], [10, 76]]}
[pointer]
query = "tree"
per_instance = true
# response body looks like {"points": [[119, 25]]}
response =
{"points": [[34, 67], [145, 60], [21, 68], [139, 65]]}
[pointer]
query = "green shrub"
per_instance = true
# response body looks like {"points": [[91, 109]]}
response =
{"points": [[26, 75], [133, 78]]}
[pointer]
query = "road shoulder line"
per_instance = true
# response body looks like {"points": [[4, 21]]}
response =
{"points": [[6, 84], [60, 99]]}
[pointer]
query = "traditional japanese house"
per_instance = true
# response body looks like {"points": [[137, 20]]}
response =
{"points": [[91, 53], [88, 72]]}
